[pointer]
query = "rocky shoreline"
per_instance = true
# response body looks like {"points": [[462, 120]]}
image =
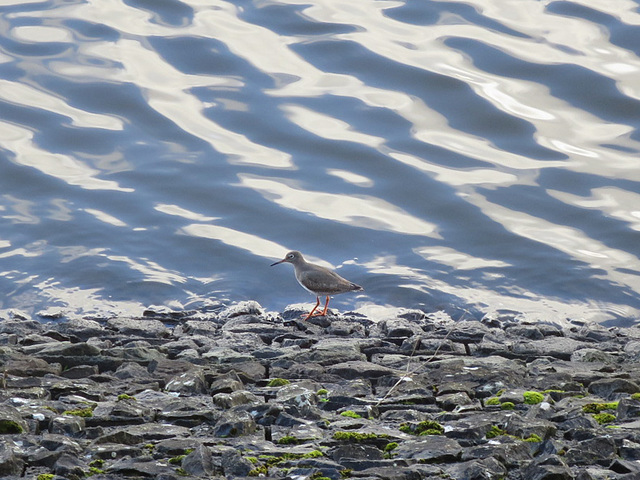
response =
{"points": [[238, 393]]}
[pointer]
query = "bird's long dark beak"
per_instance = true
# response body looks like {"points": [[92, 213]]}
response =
{"points": [[276, 263]]}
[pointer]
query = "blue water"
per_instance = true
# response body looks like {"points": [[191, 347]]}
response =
{"points": [[478, 157]]}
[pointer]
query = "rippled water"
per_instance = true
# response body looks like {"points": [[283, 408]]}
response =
{"points": [[476, 156]]}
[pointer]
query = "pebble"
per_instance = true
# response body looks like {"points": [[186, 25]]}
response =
{"points": [[236, 392]]}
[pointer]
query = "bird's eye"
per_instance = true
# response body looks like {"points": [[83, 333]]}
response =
{"points": [[289, 256]]}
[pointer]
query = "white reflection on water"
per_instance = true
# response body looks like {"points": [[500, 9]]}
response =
{"points": [[167, 91], [328, 127], [235, 238], [455, 177], [105, 217], [20, 141], [357, 210], [40, 33], [616, 203], [22, 94], [569, 240], [457, 260]]}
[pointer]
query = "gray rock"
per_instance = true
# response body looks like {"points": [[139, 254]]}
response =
{"points": [[430, 449], [70, 425], [82, 328], [628, 409], [199, 462], [331, 351], [630, 450], [233, 464], [507, 450], [235, 423], [142, 467], [358, 369], [10, 464], [557, 347], [191, 382], [234, 399], [24, 366], [70, 467], [133, 327], [80, 371], [613, 388], [548, 468], [601, 450], [354, 452], [250, 307], [226, 384], [526, 427], [486, 469], [132, 371], [593, 355], [11, 422]]}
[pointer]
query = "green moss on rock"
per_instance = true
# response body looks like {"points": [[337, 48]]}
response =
{"points": [[495, 431], [603, 418], [278, 382], [10, 427], [532, 397], [599, 407], [428, 427], [507, 406]]}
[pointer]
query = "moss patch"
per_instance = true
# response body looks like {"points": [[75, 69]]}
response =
{"points": [[278, 382], [357, 436], [350, 414], [80, 412], [599, 407], [9, 426], [603, 418], [495, 431], [428, 427], [532, 397]]}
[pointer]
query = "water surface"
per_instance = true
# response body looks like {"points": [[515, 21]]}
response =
{"points": [[479, 157]]}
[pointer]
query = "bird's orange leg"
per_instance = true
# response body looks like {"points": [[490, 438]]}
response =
{"points": [[313, 310], [326, 305]]}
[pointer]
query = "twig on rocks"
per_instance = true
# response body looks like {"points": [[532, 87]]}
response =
{"points": [[408, 373]]}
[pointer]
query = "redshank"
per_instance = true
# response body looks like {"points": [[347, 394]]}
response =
{"points": [[318, 280]]}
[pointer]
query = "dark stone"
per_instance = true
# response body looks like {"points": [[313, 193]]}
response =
{"points": [[601, 450], [355, 452], [547, 468], [226, 384], [486, 469], [430, 449], [70, 467], [80, 371], [358, 369], [191, 382], [508, 451], [628, 409], [630, 450], [10, 464], [122, 437], [235, 423], [234, 399], [141, 467], [31, 367], [233, 464], [524, 427], [11, 422], [613, 388], [67, 425], [132, 327], [199, 462]]}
